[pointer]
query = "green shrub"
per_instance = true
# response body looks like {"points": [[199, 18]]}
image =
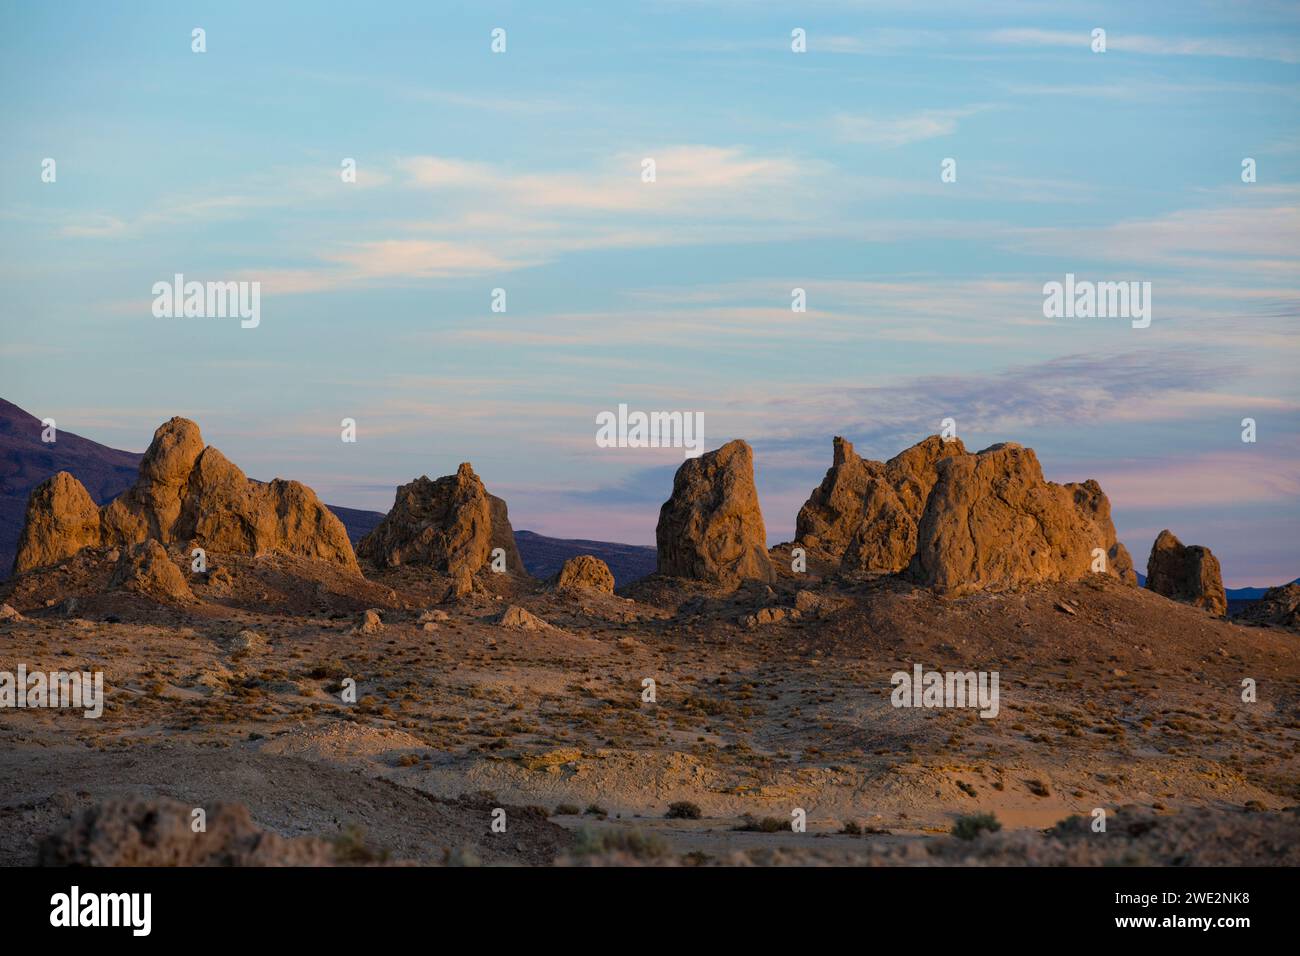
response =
{"points": [[971, 825]]}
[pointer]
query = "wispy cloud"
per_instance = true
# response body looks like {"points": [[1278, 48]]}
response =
{"points": [[893, 131], [1252, 48]]}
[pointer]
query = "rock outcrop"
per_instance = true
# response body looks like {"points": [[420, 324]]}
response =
{"points": [[711, 529], [186, 495], [585, 573], [521, 619], [993, 522], [62, 519], [148, 569], [1280, 606], [865, 512], [452, 524], [1187, 573]]}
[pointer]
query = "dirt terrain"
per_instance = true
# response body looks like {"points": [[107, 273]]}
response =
{"points": [[766, 701]]}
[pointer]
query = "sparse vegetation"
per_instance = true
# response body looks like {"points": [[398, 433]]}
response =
{"points": [[971, 825], [752, 824], [683, 810], [633, 843]]}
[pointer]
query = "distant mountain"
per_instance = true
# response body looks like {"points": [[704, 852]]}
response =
{"points": [[357, 522], [1238, 598], [545, 556], [26, 461]]}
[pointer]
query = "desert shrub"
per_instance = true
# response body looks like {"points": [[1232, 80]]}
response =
{"points": [[1038, 788], [852, 828], [751, 823], [567, 810], [683, 810], [351, 849], [634, 843], [971, 825]]}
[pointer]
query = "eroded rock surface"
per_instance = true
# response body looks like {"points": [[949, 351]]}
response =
{"points": [[62, 519], [585, 573], [186, 495], [1188, 573], [993, 522], [865, 513], [711, 529], [148, 569], [452, 524]]}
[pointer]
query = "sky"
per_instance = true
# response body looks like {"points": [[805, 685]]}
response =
{"points": [[774, 170]]}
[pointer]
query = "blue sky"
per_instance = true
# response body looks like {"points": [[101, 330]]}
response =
{"points": [[775, 170]]}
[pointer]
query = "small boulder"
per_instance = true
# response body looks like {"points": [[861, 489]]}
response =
{"points": [[764, 616], [811, 604], [370, 622], [516, 617], [148, 569], [1187, 573], [585, 573], [247, 641]]}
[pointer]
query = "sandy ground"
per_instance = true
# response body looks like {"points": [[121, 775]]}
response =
{"points": [[1110, 697]]}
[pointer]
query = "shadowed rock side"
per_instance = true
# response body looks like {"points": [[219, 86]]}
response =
{"points": [[865, 512], [993, 522], [452, 524], [1280, 606], [185, 495], [711, 529], [147, 569], [1188, 573]]}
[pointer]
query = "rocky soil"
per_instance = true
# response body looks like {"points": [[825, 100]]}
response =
{"points": [[766, 699]]}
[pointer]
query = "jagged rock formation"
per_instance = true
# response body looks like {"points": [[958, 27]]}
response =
{"points": [[62, 519], [1280, 606], [186, 495], [585, 572], [992, 522], [865, 512], [1188, 573], [147, 569], [452, 524], [711, 529]]}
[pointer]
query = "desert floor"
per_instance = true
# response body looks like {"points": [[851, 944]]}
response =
{"points": [[1110, 697]]}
